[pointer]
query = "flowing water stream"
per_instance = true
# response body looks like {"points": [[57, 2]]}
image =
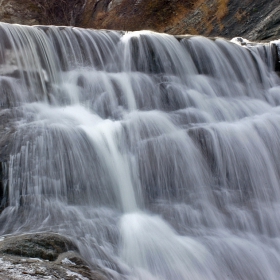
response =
{"points": [[159, 156]]}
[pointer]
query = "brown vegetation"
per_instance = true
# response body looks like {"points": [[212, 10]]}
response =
{"points": [[159, 15], [135, 15], [222, 9], [226, 18], [60, 12]]}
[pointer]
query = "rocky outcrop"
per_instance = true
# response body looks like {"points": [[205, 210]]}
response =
{"points": [[44, 256], [268, 27], [255, 20], [19, 11]]}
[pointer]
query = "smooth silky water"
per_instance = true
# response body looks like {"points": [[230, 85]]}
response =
{"points": [[159, 157]]}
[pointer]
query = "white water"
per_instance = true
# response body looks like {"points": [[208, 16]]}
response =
{"points": [[159, 157]]}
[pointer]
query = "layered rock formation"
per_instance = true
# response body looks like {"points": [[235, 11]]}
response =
{"points": [[255, 20]]}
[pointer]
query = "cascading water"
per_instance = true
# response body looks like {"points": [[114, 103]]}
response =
{"points": [[158, 156]]}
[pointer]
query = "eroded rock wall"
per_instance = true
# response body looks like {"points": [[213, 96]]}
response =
{"points": [[255, 20]]}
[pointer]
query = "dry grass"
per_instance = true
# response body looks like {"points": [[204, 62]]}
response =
{"points": [[222, 9]]}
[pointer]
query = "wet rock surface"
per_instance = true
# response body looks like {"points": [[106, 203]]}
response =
{"points": [[45, 246], [6, 134], [43, 256]]}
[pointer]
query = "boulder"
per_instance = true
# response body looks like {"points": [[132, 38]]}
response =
{"points": [[44, 256], [45, 246]]}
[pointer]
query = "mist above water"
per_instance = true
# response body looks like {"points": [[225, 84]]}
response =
{"points": [[159, 157]]}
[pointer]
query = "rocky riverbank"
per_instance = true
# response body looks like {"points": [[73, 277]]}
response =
{"points": [[44, 256]]}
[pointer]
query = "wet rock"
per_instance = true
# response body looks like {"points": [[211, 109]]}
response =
{"points": [[45, 246], [17, 268], [6, 134], [73, 261], [71, 258], [44, 256], [4, 199]]}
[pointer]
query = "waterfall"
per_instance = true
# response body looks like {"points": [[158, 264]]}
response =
{"points": [[157, 155]]}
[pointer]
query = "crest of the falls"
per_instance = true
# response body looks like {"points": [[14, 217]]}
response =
{"points": [[158, 155]]}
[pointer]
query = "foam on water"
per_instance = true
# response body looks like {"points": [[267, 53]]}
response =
{"points": [[158, 156]]}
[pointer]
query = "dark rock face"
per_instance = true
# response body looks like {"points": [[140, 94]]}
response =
{"points": [[268, 28], [255, 20], [44, 255]]}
